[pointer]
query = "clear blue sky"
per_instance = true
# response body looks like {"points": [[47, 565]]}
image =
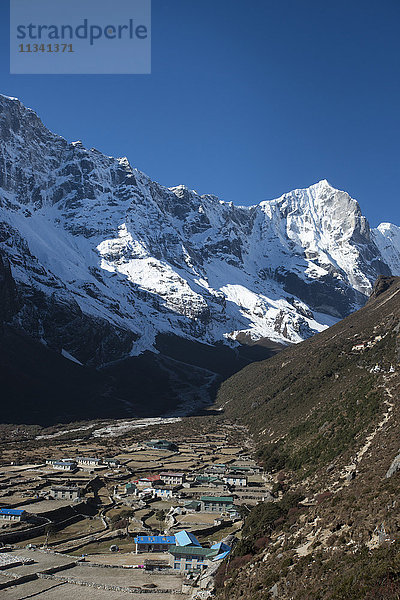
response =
{"points": [[247, 99]]}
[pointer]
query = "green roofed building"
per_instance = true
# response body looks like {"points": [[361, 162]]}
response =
{"points": [[162, 445], [209, 480], [130, 488], [216, 503], [190, 558], [243, 469]]}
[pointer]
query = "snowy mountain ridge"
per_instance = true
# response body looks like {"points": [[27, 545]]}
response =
{"points": [[90, 234]]}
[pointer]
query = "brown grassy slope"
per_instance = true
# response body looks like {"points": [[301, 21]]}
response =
{"points": [[319, 414], [318, 396]]}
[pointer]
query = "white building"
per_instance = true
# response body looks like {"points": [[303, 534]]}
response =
{"points": [[12, 514], [65, 492], [88, 461], [64, 465], [111, 462], [163, 492], [235, 479], [171, 478]]}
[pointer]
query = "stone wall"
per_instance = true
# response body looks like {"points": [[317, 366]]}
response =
{"points": [[112, 588], [13, 537]]}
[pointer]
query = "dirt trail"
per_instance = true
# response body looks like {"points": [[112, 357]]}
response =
{"points": [[352, 467]]}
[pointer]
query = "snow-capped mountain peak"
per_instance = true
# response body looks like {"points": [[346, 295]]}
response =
{"points": [[90, 231], [387, 238]]}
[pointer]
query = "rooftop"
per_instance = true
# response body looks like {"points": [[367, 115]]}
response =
{"points": [[222, 555], [192, 550], [226, 499], [221, 547], [209, 479], [159, 442], [239, 468], [150, 478], [192, 504], [11, 511], [185, 538], [155, 539]]}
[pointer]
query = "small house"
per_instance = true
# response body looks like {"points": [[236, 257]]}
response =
{"points": [[146, 493], [12, 514], [163, 492], [130, 489], [171, 478], [65, 492], [64, 465], [209, 480], [111, 462], [88, 461], [233, 513], [148, 481], [236, 479], [253, 469], [215, 469], [162, 445]]}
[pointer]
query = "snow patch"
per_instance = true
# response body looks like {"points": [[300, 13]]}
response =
{"points": [[70, 357]]}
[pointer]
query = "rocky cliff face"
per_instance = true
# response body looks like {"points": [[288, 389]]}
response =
{"points": [[9, 302], [105, 259]]}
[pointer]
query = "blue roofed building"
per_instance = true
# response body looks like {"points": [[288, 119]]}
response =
{"points": [[162, 543], [185, 538], [185, 551], [222, 551], [189, 555], [153, 543], [12, 514]]}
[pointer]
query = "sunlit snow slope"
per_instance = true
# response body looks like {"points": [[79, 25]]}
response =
{"points": [[90, 235]]}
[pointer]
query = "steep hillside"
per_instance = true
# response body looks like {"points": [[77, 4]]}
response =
{"points": [[326, 422]]}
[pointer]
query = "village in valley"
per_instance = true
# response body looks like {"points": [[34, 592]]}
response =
{"points": [[135, 514]]}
